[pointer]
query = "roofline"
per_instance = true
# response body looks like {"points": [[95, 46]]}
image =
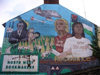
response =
{"points": [[4, 24]]}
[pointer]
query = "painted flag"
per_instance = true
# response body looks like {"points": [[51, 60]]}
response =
{"points": [[74, 18], [88, 29]]}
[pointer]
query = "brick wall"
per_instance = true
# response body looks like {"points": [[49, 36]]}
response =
{"points": [[51, 1]]}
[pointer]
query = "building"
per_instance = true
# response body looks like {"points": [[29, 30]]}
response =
{"points": [[0, 51], [49, 39]]}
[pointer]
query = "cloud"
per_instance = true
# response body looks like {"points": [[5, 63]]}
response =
{"points": [[90, 7], [74, 5], [92, 11], [17, 7]]}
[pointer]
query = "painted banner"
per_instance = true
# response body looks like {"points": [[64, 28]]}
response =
{"points": [[20, 63]]}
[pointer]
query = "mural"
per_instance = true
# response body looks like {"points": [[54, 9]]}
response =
{"points": [[80, 47], [61, 27], [48, 14], [52, 35], [20, 34]]}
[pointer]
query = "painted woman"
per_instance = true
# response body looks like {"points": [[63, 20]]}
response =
{"points": [[61, 26], [78, 45]]}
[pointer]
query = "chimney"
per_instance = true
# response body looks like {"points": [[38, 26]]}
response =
{"points": [[51, 1]]}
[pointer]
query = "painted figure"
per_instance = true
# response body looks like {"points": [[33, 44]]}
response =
{"points": [[20, 35], [9, 29], [78, 45], [31, 36], [62, 30], [48, 14]]}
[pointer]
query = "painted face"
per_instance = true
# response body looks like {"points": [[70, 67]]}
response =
{"points": [[20, 26], [31, 30], [78, 29], [60, 25]]}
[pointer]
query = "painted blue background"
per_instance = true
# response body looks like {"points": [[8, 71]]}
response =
{"points": [[48, 28]]}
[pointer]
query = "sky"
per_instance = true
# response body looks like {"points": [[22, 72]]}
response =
{"points": [[9, 9]]}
